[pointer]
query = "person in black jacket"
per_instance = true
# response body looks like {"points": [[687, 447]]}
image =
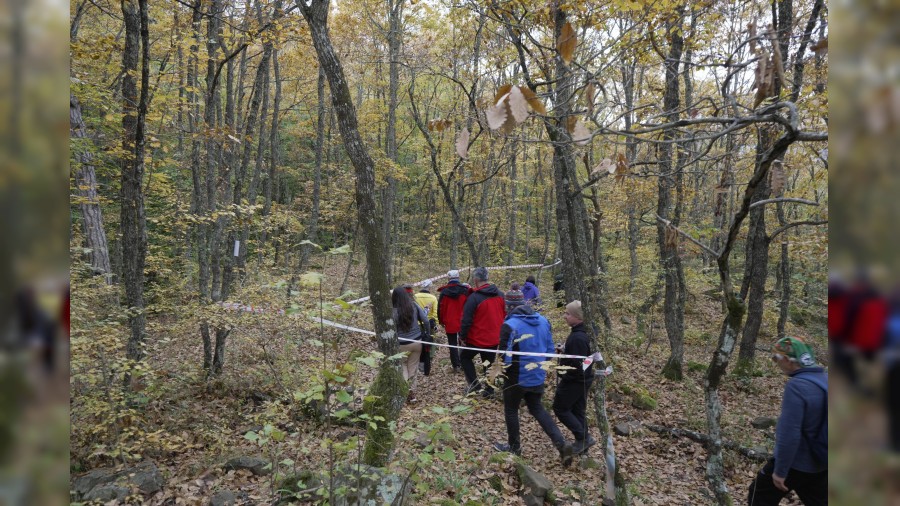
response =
{"points": [[570, 402]]}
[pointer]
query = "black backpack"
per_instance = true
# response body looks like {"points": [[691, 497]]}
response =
{"points": [[818, 441]]}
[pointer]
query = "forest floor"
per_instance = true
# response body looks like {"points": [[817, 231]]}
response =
{"points": [[204, 423]]}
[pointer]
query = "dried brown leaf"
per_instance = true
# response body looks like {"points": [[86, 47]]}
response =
{"points": [[571, 121], [497, 114], [533, 101], [621, 167], [589, 92], [605, 165], [581, 135], [462, 143], [751, 29], [671, 237], [821, 46], [776, 57], [501, 93], [518, 106], [566, 43]]}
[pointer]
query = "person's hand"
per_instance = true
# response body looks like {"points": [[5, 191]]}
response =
{"points": [[779, 482]]}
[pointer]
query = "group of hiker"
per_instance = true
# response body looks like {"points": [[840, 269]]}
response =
{"points": [[863, 329], [482, 321]]}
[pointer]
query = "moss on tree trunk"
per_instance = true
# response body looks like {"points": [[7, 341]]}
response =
{"points": [[383, 401]]}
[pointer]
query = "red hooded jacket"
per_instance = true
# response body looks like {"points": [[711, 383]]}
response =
{"points": [[451, 300], [483, 317]]}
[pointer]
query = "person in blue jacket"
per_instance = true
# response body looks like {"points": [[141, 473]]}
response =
{"points": [[530, 291], [801, 436], [527, 331]]}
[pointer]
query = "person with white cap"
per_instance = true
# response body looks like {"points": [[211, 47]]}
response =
{"points": [[449, 312], [428, 302]]}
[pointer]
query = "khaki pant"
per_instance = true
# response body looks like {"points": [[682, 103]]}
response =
{"points": [[410, 368]]}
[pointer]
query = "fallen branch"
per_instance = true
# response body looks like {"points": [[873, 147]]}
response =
{"points": [[703, 438]]}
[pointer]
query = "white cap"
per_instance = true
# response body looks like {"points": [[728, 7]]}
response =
{"points": [[453, 273], [426, 284]]}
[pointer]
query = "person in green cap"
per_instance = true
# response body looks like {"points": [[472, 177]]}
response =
{"points": [[801, 436]]}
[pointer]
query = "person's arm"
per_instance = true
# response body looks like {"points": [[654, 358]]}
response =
{"points": [[788, 432], [549, 347], [440, 310], [505, 333], [467, 317], [432, 307]]}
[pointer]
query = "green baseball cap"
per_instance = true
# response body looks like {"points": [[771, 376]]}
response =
{"points": [[797, 350]]}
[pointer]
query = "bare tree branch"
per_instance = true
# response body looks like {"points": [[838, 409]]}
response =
{"points": [[686, 235], [783, 199], [796, 224]]}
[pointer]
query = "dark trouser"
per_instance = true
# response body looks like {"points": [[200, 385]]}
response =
{"points": [[893, 405], [468, 366], [844, 362], [812, 488], [454, 353], [512, 397], [569, 406]]}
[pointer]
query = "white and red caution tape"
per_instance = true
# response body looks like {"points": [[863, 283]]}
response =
{"points": [[495, 268], [237, 306], [585, 361]]}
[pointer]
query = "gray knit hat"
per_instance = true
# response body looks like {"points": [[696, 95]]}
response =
{"points": [[514, 297]]}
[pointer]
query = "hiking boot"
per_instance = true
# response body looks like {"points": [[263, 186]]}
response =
{"points": [[582, 445], [566, 451], [411, 398], [503, 447], [488, 394]]}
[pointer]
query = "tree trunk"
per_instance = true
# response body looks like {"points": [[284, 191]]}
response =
{"points": [[670, 175], [313, 223], [785, 271], [240, 177], [394, 40], [757, 264], [270, 183], [134, 233], [630, 155], [198, 194], [86, 190], [572, 218], [388, 389], [715, 471]]}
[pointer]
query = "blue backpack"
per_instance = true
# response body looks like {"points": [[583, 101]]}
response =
{"points": [[818, 442]]}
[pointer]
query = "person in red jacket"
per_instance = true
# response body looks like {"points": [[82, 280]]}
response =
{"points": [[483, 316], [451, 299]]}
